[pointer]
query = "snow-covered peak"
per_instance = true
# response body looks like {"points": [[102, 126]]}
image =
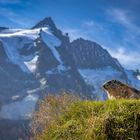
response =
{"points": [[15, 40], [46, 22]]}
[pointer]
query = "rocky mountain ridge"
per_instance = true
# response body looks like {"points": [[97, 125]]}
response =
{"points": [[42, 60]]}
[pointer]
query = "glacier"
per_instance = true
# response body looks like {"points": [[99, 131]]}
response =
{"points": [[14, 39]]}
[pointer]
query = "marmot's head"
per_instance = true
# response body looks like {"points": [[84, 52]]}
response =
{"points": [[112, 88], [111, 84], [116, 89]]}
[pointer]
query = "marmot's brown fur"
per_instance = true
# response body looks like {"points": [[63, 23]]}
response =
{"points": [[116, 89]]}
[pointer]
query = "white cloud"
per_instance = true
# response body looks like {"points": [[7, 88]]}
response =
{"points": [[125, 18], [129, 59], [128, 55], [101, 33], [73, 33], [88, 29], [89, 23], [14, 17]]}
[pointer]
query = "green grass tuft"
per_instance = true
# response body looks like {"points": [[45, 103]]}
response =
{"points": [[91, 120]]}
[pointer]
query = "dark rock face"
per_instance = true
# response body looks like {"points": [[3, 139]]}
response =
{"points": [[13, 81], [88, 54], [46, 60], [46, 22]]}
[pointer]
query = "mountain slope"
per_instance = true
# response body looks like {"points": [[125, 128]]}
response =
{"points": [[42, 60]]}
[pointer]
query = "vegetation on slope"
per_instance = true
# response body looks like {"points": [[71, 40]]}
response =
{"points": [[88, 120]]}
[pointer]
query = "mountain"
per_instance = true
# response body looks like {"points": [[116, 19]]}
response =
{"points": [[41, 60], [3, 28]]}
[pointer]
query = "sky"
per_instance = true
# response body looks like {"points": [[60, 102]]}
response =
{"points": [[114, 24]]}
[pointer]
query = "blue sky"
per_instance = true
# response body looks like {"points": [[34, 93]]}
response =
{"points": [[115, 24]]}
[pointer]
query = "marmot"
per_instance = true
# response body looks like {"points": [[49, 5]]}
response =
{"points": [[116, 89]]}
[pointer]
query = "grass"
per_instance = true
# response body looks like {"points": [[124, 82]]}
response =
{"points": [[91, 120]]}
